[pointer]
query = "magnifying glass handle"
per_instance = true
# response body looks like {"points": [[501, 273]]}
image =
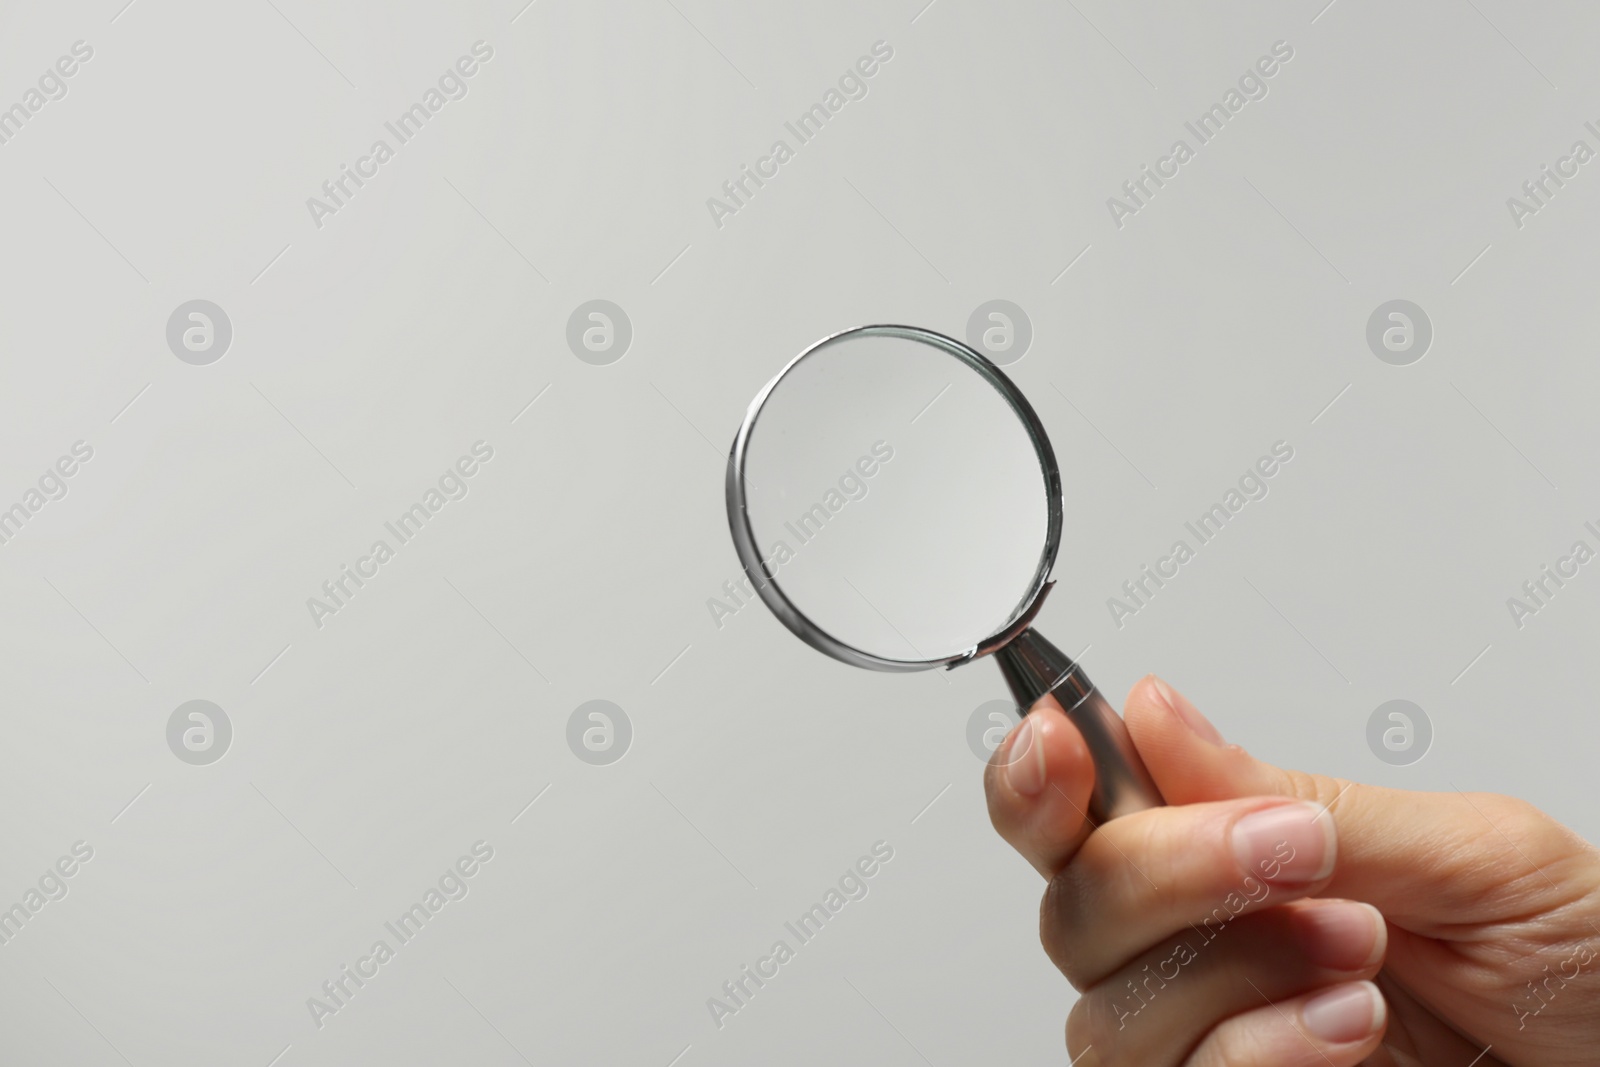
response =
{"points": [[1033, 668]]}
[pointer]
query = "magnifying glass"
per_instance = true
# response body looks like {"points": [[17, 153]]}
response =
{"points": [[895, 502]]}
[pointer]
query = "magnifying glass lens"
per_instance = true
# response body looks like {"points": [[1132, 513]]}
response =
{"points": [[896, 497]]}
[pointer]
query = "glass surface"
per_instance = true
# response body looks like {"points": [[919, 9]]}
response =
{"points": [[897, 497]]}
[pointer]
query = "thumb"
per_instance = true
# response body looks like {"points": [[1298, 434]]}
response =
{"points": [[1428, 861]]}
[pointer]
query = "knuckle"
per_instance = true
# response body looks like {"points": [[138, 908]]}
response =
{"points": [[1531, 835], [1319, 788], [1511, 812], [1060, 914], [1089, 1026]]}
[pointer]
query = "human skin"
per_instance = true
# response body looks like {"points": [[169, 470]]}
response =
{"points": [[1374, 926]]}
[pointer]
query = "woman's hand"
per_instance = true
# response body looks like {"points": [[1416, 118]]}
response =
{"points": [[1272, 918]]}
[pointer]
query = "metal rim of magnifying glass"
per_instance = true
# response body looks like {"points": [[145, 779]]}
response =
{"points": [[766, 581]]}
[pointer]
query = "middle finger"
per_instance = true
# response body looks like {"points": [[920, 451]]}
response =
{"points": [[1148, 875]]}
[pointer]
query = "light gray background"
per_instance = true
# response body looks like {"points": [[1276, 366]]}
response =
{"points": [[368, 354]]}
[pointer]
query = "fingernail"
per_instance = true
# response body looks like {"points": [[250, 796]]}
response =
{"points": [[1345, 1013], [1187, 712], [1025, 760], [1343, 935], [1293, 844]]}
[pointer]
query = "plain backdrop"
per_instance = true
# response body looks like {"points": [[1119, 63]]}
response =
{"points": [[372, 346]]}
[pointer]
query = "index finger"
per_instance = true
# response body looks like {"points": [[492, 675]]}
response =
{"points": [[1038, 784]]}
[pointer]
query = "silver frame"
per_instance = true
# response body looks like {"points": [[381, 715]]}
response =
{"points": [[766, 581]]}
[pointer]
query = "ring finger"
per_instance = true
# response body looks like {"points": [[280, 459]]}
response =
{"points": [[1161, 1005], [1338, 1027]]}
